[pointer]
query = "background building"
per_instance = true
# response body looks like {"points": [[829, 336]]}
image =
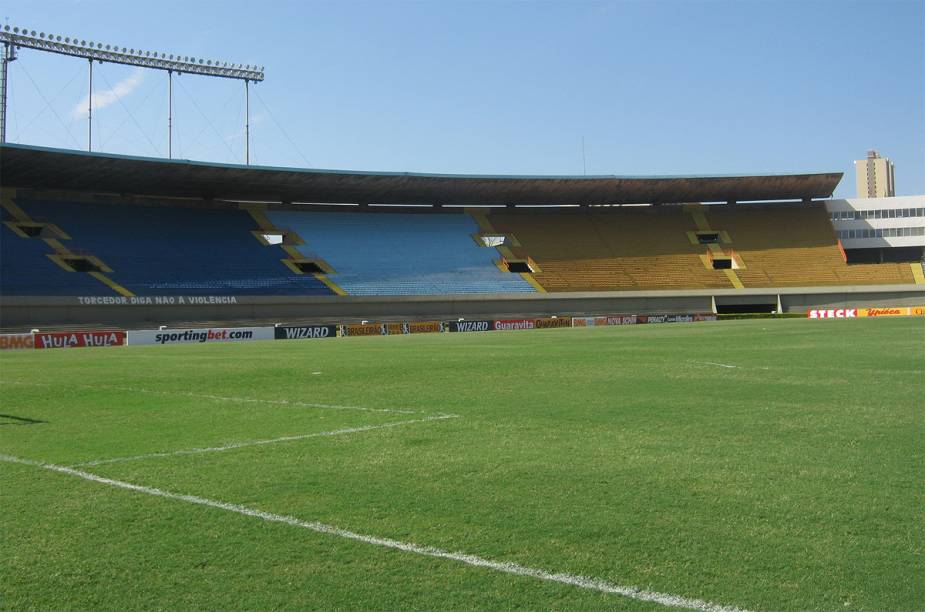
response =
{"points": [[875, 176]]}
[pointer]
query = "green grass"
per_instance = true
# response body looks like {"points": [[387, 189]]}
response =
{"points": [[793, 481]]}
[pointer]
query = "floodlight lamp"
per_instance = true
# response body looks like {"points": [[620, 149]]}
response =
{"points": [[99, 45], [41, 34], [83, 43], [58, 38], [7, 28], [15, 29], [33, 34], [67, 40], [107, 47]]}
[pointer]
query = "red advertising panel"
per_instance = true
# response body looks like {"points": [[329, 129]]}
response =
{"points": [[79, 339]]}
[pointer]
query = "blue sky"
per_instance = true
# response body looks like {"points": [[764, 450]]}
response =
{"points": [[710, 87]]}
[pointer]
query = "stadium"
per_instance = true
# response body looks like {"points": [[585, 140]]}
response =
{"points": [[306, 388]]}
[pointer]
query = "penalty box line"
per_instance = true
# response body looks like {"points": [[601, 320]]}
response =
{"points": [[592, 584], [234, 445], [219, 398]]}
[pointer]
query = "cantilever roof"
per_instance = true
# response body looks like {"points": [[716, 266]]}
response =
{"points": [[43, 168]]}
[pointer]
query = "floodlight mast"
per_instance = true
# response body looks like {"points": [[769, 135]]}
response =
{"points": [[14, 38], [9, 54]]}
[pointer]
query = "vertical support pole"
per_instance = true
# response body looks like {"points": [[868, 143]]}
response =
{"points": [[170, 114], [8, 56], [247, 123], [90, 111]]}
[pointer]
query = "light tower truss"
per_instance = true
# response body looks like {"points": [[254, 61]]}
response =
{"points": [[14, 38]]}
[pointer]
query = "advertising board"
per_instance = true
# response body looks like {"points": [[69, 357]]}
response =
{"points": [[46, 340], [469, 326], [414, 327], [12, 342], [588, 321], [552, 322], [302, 332], [631, 319], [884, 312], [832, 313], [509, 324], [851, 313], [205, 334], [424, 327], [363, 329]]}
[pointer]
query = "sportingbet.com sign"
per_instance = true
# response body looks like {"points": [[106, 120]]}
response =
{"points": [[198, 336]]}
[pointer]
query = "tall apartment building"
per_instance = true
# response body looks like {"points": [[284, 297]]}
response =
{"points": [[875, 176]]}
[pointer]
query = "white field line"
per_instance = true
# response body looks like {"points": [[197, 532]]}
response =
{"points": [[593, 584], [234, 445], [220, 398], [721, 365]]}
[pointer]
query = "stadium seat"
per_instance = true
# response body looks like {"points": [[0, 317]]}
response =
{"points": [[611, 250], [27, 270], [795, 246], [169, 250], [400, 253]]}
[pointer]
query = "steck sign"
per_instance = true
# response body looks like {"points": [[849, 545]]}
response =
{"points": [[832, 313]]}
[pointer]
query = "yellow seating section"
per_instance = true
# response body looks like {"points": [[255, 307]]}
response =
{"points": [[795, 246], [649, 248], [611, 250]]}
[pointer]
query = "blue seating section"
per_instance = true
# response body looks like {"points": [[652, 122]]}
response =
{"points": [[25, 270], [401, 253], [166, 250]]}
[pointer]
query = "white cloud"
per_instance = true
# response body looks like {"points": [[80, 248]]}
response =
{"points": [[102, 99]]}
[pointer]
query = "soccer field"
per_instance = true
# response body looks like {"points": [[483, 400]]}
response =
{"points": [[769, 464]]}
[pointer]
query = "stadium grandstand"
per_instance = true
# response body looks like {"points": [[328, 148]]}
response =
{"points": [[304, 388], [81, 227]]}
